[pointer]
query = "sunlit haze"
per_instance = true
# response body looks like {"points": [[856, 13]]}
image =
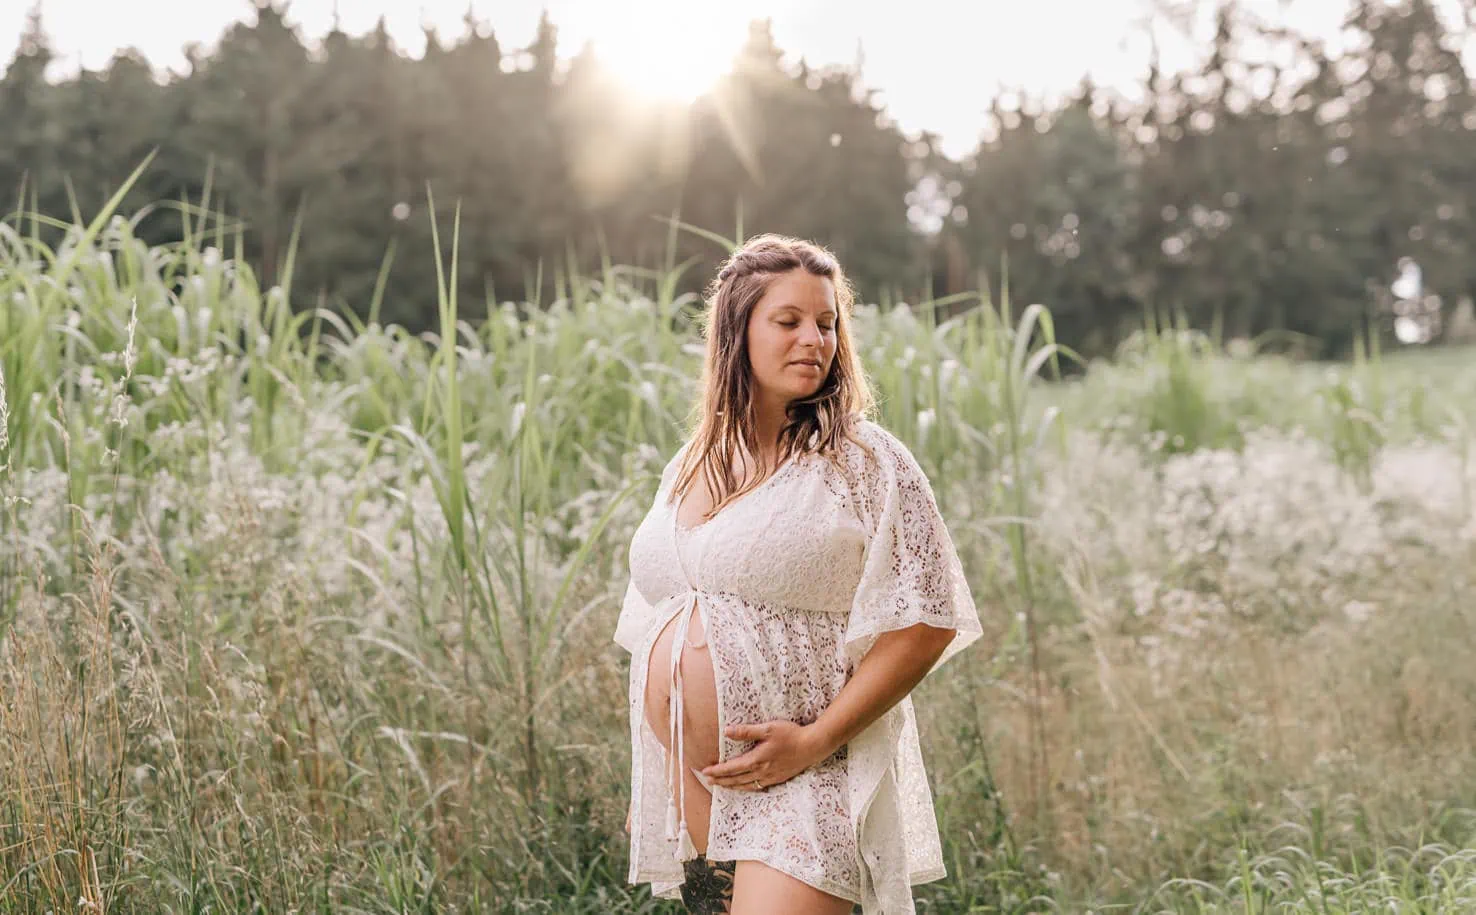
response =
{"points": [[935, 63], [671, 49]]}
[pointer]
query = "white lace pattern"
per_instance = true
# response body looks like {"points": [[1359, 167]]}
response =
{"points": [[795, 580]]}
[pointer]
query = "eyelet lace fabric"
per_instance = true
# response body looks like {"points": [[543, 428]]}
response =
{"points": [[795, 580]]}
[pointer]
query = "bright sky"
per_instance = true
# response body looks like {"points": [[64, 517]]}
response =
{"points": [[936, 63]]}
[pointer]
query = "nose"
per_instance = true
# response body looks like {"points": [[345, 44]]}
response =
{"points": [[813, 336]]}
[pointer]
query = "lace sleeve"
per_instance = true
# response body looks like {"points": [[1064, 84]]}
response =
{"points": [[911, 571], [635, 617], [636, 612]]}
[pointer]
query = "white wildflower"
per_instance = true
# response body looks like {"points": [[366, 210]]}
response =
{"points": [[946, 371], [4, 419], [516, 422], [1358, 611]]}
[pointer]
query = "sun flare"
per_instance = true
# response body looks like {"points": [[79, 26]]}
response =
{"points": [[672, 50]]}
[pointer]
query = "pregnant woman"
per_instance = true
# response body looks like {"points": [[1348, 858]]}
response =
{"points": [[790, 585]]}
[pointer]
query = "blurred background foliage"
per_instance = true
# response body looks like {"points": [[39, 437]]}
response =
{"points": [[1276, 188]]}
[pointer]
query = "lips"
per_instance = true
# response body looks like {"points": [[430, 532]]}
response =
{"points": [[809, 362]]}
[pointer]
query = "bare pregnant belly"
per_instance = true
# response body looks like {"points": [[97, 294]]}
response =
{"points": [[699, 692]]}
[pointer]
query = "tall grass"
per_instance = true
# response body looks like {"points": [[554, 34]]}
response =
{"points": [[302, 612]]}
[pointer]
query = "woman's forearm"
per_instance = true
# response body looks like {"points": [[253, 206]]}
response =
{"points": [[896, 662]]}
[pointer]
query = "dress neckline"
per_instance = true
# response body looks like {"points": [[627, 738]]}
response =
{"points": [[676, 511]]}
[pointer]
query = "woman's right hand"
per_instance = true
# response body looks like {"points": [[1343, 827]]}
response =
{"points": [[627, 822]]}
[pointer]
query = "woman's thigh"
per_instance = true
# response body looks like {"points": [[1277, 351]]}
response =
{"points": [[761, 890]]}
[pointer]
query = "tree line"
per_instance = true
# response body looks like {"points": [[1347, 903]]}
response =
{"points": [[1278, 187]]}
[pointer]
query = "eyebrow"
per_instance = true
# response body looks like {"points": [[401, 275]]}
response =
{"points": [[828, 311]]}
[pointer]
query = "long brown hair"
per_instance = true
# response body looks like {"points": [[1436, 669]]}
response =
{"points": [[725, 422]]}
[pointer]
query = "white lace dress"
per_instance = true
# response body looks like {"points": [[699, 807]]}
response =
{"points": [[794, 581]]}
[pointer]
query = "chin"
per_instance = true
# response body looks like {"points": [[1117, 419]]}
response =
{"points": [[790, 390]]}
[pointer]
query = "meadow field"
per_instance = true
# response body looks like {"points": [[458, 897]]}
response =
{"points": [[303, 613]]}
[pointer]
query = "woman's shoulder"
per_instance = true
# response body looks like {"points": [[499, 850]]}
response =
{"points": [[672, 465], [871, 448], [871, 460]]}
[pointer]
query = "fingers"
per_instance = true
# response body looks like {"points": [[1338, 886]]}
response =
{"points": [[742, 774], [746, 783], [748, 731], [744, 765], [751, 783], [737, 766]]}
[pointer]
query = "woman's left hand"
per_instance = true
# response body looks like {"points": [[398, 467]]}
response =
{"points": [[784, 750]]}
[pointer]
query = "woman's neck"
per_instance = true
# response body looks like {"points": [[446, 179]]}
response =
{"points": [[769, 419]]}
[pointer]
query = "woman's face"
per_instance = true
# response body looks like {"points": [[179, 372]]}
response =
{"points": [[791, 336]]}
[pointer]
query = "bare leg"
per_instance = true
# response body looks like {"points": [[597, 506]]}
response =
{"points": [[761, 890], [708, 886]]}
